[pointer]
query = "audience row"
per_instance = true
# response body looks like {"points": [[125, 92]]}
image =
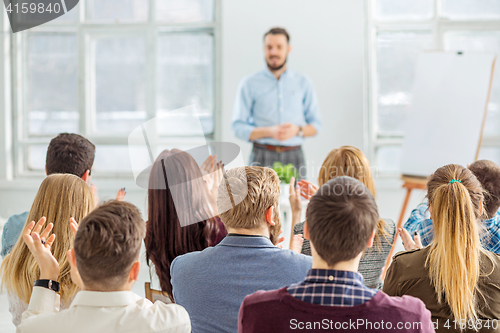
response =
{"points": [[212, 239]]}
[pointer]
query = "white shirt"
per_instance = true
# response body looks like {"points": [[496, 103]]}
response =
{"points": [[107, 312]]}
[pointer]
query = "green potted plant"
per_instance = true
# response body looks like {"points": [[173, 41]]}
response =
{"points": [[285, 174]]}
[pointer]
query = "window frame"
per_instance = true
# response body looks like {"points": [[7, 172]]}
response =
{"points": [[438, 26], [15, 71]]}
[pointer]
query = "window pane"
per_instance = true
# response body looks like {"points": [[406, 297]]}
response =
{"points": [[481, 41], [185, 10], [397, 53], [52, 89], [117, 10], [69, 17], [186, 77], [471, 9], [404, 9], [120, 77], [114, 158], [387, 159], [36, 157]]}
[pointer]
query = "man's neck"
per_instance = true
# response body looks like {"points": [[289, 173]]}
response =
{"points": [[251, 232], [277, 73], [350, 265]]}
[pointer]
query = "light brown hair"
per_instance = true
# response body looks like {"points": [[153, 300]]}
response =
{"points": [[350, 161], [341, 218], [254, 189], [107, 244], [455, 198], [60, 197]]}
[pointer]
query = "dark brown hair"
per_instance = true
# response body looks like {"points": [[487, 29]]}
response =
{"points": [[107, 243], [278, 31], [170, 231], [341, 217], [488, 174], [69, 153]]}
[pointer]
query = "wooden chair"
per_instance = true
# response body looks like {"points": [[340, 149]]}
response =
{"points": [[156, 295]]}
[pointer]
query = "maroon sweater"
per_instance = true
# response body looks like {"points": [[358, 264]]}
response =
{"points": [[277, 311]]}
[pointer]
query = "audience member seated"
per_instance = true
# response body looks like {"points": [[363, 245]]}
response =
{"points": [[59, 198], [211, 284], [182, 215], [457, 279], [488, 174], [348, 161], [341, 223], [67, 153], [105, 265]]}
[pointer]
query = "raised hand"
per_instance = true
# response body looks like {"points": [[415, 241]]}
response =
{"points": [[296, 243], [39, 243], [307, 189], [294, 197], [408, 243], [73, 225], [120, 195], [208, 165]]}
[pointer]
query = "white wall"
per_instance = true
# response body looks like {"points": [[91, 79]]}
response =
{"points": [[328, 43]]}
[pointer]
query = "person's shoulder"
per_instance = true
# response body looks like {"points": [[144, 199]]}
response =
{"points": [[405, 303], [253, 77], [304, 79], [295, 258], [17, 219], [192, 258], [173, 314], [410, 260], [262, 297]]}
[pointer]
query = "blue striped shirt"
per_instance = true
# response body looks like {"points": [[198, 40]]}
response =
{"points": [[332, 288], [262, 100], [420, 221]]}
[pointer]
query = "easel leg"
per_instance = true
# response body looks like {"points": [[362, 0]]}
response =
{"points": [[399, 225]]}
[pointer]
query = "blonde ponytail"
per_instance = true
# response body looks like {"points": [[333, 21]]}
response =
{"points": [[455, 197]]}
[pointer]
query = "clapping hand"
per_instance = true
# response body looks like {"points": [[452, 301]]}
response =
{"points": [[408, 243], [39, 243], [307, 189]]}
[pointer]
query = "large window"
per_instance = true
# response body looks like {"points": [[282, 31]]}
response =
{"points": [[108, 66], [398, 31]]}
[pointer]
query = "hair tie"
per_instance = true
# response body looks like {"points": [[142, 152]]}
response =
{"points": [[455, 181]]}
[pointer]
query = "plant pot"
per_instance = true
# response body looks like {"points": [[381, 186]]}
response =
{"points": [[285, 190]]}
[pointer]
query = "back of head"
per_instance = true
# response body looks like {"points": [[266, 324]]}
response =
{"points": [[60, 197], [341, 218], [107, 244], [455, 198], [69, 153], [347, 161], [350, 161], [488, 174], [179, 216], [255, 189]]}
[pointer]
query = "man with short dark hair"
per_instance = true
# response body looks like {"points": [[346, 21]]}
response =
{"points": [[276, 108], [488, 173], [211, 284], [341, 223], [67, 153], [105, 265]]}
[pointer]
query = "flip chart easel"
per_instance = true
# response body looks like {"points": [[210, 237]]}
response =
{"points": [[449, 91]]}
